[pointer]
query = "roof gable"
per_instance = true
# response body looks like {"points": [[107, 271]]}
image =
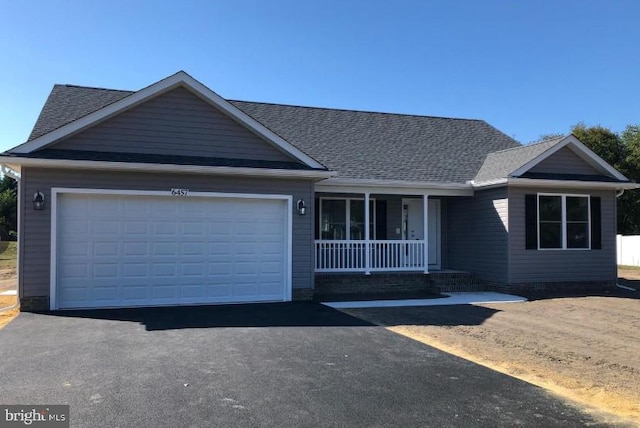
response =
{"points": [[566, 161], [560, 156], [582, 151], [178, 123], [180, 79]]}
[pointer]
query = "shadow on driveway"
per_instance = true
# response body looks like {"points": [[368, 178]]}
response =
{"points": [[296, 314], [455, 315], [293, 314]]}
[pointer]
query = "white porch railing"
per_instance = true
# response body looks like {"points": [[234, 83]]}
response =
{"points": [[384, 256]]}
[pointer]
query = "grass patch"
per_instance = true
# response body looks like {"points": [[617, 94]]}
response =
{"points": [[625, 267], [8, 254]]}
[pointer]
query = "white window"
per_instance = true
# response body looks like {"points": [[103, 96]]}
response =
{"points": [[343, 218], [563, 221]]}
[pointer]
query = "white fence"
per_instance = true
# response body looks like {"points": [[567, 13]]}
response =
{"points": [[628, 250], [387, 256]]}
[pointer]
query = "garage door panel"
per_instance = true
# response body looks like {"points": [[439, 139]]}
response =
{"points": [[106, 270], [115, 250], [135, 248], [135, 270], [163, 291], [106, 249], [165, 248]]}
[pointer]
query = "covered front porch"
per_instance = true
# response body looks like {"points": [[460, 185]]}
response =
{"points": [[405, 233]]}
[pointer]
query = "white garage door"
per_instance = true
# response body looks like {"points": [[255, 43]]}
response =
{"points": [[121, 251]]}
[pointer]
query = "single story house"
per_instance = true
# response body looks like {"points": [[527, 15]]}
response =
{"points": [[174, 195]]}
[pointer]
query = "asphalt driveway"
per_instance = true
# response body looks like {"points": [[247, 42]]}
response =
{"points": [[295, 364]]}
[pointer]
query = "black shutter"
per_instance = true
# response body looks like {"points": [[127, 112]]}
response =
{"points": [[316, 220], [531, 221], [596, 224], [381, 220]]}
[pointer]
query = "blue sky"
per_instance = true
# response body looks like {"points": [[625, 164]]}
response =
{"points": [[526, 67]]}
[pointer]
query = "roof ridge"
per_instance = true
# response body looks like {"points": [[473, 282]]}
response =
{"points": [[356, 111], [524, 146], [93, 87], [295, 105]]}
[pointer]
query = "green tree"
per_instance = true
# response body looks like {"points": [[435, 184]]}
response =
{"points": [[629, 202], [8, 208], [604, 142], [631, 138], [545, 137]]}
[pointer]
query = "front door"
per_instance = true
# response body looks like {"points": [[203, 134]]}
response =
{"points": [[413, 226]]}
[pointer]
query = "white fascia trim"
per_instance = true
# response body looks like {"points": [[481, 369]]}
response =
{"points": [[584, 152], [179, 79], [10, 171], [154, 167], [418, 188], [490, 183], [570, 184]]}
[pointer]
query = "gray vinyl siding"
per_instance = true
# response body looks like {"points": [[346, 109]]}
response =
{"points": [[176, 123], [35, 245], [477, 234], [530, 266], [565, 161]]}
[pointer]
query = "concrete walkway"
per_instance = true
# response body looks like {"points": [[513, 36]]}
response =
{"points": [[466, 298]]}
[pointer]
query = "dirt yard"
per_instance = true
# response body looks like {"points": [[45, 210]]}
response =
{"points": [[586, 349]]}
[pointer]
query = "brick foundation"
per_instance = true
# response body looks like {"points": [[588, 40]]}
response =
{"points": [[456, 281], [34, 304], [302, 294], [354, 283]]}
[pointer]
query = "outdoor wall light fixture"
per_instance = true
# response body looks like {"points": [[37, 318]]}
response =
{"points": [[302, 210], [38, 200]]}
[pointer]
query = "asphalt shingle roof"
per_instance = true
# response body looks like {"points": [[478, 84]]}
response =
{"points": [[67, 103], [355, 144], [366, 145], [500, 164]]}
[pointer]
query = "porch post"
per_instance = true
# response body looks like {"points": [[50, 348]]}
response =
{"points": [[425, 225], [367, 244]]}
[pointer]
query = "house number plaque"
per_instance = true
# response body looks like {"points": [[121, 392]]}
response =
{"points": [[179, 192]]}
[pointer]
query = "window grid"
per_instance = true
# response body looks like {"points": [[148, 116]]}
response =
{"points": [[564, 222], [372, 216]]}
